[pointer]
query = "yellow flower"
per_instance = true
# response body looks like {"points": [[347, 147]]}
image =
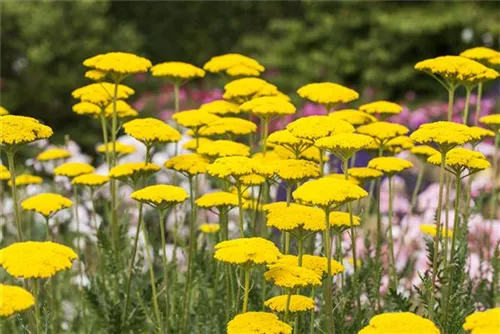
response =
{"points": [[344, 145], [487, 322], [191, 144], [257, 323], [292, 276], [86, 108], [445, 134], [17, 130], [91, 180], [364, 173], [123, 110], [194, 119], [228, 125], [327, 93], [177, 70], [268, 107], [382, 132], [4, 175], [102, 93], [398, 144], [209, 228], [120, 63], [457, 70], [247, 251], [423, 151], [53, 154], [252, 180], [459, 159], [26, 179], [352, 116], [217, 199], [315, 127], [121, 149], [389, 165], [237, 167], [270, 157], [221, 107], [3, 111], [327, 192], [151, 131], [480, 53], [133, 171], [32, 259], [342, 219], [341, 176], [188, 164], [493, 121], [224, 148], [72, 169], [481, 133], [296, 216], [294, 170], [227, 61], [246, 88], [14, 299], [430, 229], [298, 303], [286, 139], [399, 323], [242, 71], [46, 204], [95, 75], [318, 264], [160, 196], [382, 107]]}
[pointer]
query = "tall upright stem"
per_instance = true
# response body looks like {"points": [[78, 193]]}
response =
{"points": [[451, 96], [321, 162], [192, 241], [165, 268], [311, 329], [416, 190], [104, 127], [79, 248], [478, 102], [113, 183], [287, 234], [466, 110], [17, 217], [176, 97], [36, 293], [391, 240], [265, 124], [240, 207], [494, 194], [330, 326], [247, 289]]}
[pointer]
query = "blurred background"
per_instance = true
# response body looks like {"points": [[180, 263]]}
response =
{"points": [[369, 46]]}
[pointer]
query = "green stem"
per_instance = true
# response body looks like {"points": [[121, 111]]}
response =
{"points": [[165, 268], [321, 162], [313, 290], [79, 249], [104, 127], [287, 309], [394, 280], [330, 326], [265, 124], [36, 293], [451, 96], [192, 241], [256, 211], [240, 207], [176, 96], [17, 217], [416, 190], [247, 289], [287, 234], [47, 229], [478, 102], [494, 195], [113, 184], [466, 110], [370, 196]]}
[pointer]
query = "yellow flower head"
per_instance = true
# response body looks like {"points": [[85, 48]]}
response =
{"points": [[352, 116], [188, 164], [14, 299], [247, 251], [3, 111], [385, 108], [194, 119], [292, 276], [95, 75], [32, 259], [86, 109], [268, 107], [459, 159], [341, 176], [457, 70], [53, 154], [480, 53], [296, 216], [72, 169], [295, 170], [4, 175], [341, 219], [102, 93], [492, 121], [221, 107], [160, 196], [399, 323], [298, 303], [246, 88], [257, 323], [344, 145], [18, 130], [327, 93], [423, 151], [91, 180], [217, 199], [209, 228], [46, 204], [252, 180], [224, 62], [315, 127], [444, 134], [242, 71], [151, 131], [389, 165], [238, 166], [328, 192], [430, 229], [191, 144], [26, 179], [123, 110], [364, 173], [228, 125], [131, 172], [481, 133], [288, 140], [177, 70], [224, 148], [382, 132], [318, 264], [119, 63], [121, 149], [483, 322], [398, 144]]}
